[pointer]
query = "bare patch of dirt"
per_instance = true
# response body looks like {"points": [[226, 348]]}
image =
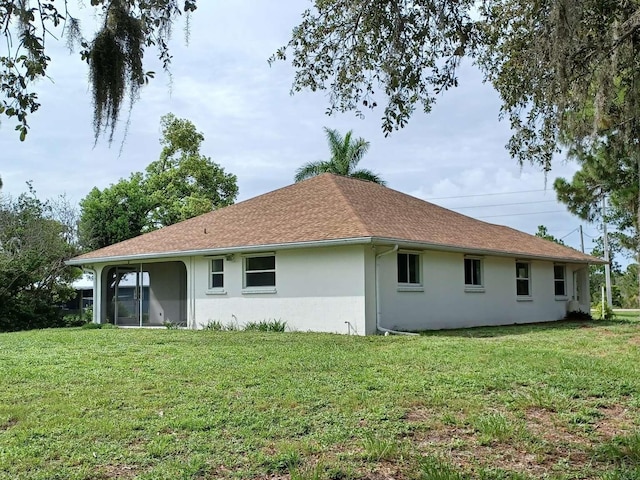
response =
{"points": [[418, 415], [544, 425], [8, 424], [635, 340], [119, 471], [547, 443], [616, 420]]}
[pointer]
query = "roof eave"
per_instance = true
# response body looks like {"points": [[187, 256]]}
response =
{"points": [[329, 243], [222, 251], [480, 251]]}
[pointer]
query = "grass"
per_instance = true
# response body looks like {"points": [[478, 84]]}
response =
{"points": [[557, 401]]}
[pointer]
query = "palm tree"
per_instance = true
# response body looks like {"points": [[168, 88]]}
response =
{"points": [[345, 156]]}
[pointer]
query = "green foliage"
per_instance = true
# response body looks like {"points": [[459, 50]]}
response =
{"points": [[494, 427], [92, 326], [434, 468], [34, 280], [115, 55], [364, 54], [622, 473], [117, 213], [377, 449], [346, 153], [544, 233], [627, 284], [623, 449], [284, 461], [79, 320], [601, 313], [214, 325], [578, 315], [180, 185], [312, 472], [266, 326]]}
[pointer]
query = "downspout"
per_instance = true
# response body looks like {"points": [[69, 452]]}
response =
{"points": [[378, 307]]}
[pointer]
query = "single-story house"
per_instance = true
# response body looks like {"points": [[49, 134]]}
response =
{"points": [[337, 254]]}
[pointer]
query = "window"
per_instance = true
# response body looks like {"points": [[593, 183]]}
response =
{"points": [[473, 272], [260, 271], [409, 268], [559, 283], [523, 286], [217, 273]]}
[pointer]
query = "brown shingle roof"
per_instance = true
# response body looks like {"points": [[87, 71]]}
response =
{"points": [[330, 207]]}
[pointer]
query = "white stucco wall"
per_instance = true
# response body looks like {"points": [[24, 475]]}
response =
{"points": [[316, 289], [443, 302]]}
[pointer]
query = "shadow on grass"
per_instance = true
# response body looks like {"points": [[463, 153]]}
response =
{"points": [[526, 328]]}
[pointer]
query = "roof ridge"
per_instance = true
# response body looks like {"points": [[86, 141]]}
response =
{"points": [[353, 210]]}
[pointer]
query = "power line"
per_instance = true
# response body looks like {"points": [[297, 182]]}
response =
{"points": [[504, 204], [518, 214], [488, 194], [572, 231]]}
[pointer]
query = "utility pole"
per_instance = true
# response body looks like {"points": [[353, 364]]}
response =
{"points": [[581, 240], [607, 267]]}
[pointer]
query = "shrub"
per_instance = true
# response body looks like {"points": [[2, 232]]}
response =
{"points": [[266, 326], [578, 315], [606, 314], [218, 326], [91, 326], [215, 325], [74, 321]]}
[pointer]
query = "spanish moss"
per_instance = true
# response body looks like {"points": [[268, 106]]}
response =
{"points": [[115, 66]]}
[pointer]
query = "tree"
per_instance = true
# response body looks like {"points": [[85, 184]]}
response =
{"points": [[346, 153], [628, 286], [606, 170], [544, 233], [117, 213], [407, 52], [114, 54], [564, 69], [34, 279], [597, 272], [181, 184]]}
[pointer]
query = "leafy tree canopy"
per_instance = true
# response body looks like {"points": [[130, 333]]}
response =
{"points": [[114, 53], [544, 233], [181, 184], [606, 170], [565, 69], [345, 154], [34, 279]]}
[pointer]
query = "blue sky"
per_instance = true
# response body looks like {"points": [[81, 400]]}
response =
{"points": [[255, 129]]}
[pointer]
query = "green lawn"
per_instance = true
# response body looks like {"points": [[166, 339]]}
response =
{"points": [[542, 401]]}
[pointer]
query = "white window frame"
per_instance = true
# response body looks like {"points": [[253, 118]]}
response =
{"points": [[526, 296], [556, 280], [410, 286], [473, 287], [216, 290], [259, 289]]}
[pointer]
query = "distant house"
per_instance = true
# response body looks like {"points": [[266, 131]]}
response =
{"points": [[336, 254], [127, 289]]}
